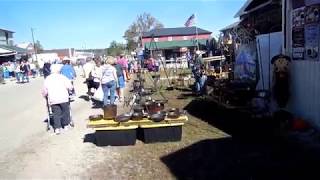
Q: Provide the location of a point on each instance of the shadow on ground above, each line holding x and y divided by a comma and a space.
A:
253, 152
186, 95
84, 97
237, 124
89, 138
97, 104
230, 159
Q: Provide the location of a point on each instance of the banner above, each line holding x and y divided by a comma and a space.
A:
298, 43
312, 36
245, 65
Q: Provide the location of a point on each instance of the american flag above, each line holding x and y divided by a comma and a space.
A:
190, 21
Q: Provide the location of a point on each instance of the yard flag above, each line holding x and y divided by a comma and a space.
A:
190, 21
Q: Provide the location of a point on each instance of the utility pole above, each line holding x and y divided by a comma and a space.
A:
34, 45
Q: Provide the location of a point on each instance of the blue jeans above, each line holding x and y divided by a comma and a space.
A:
18, 76
109, 86
200, 82
25, 76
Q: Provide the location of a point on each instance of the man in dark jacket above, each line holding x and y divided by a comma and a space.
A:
46, 69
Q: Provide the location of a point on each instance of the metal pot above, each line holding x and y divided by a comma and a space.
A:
159, 116
136, 116
149, 107
138, 109
95, 117
158, 106
161, 101
174, 113
123, 117
137, 85
110, 111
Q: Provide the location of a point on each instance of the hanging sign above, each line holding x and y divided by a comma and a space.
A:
298, 43
298, 17
311, 2
312, 14
312, 41
245, 65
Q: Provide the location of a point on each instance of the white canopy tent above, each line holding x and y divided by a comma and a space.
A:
5, 52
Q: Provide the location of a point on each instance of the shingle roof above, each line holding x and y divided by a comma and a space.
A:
182, 31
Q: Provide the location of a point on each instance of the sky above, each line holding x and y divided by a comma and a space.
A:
94, 24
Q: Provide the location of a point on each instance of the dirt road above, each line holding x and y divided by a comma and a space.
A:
28, 152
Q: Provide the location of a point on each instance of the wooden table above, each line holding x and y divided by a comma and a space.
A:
145, 122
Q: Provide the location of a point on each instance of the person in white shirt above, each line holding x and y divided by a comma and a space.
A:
97, 74
33, 69
87, 68
109, 80
56, 89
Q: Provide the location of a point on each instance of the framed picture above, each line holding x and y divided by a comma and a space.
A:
312, 14
312, 35
298, 17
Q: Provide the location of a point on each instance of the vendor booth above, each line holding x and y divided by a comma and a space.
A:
302, 38
249, 46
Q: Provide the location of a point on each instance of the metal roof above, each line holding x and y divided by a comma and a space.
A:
13, 48
252, 5
6, 30
182, 31
230, 26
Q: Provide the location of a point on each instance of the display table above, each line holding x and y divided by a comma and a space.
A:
150, 133
116, 136
110, 132
98, 124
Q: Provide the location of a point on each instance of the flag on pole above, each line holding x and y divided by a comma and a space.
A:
190, 21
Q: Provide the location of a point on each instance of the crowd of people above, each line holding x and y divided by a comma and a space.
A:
20, 70
111, 74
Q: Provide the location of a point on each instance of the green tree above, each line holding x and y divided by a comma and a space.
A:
38, 47
144, 22
116, 48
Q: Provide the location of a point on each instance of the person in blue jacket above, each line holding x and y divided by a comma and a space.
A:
68, 71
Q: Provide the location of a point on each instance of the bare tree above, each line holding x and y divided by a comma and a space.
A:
144, 22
